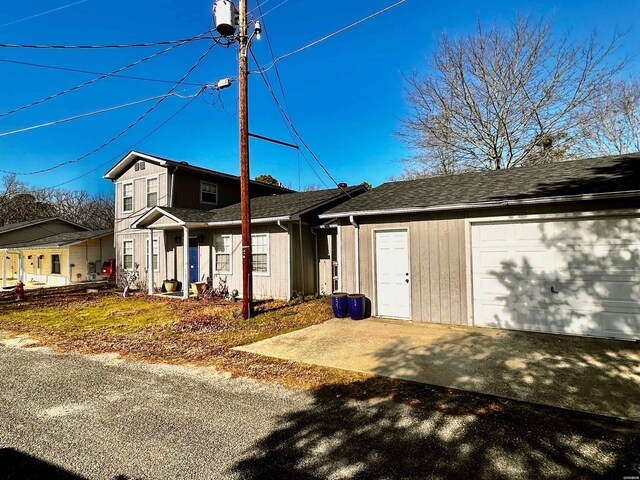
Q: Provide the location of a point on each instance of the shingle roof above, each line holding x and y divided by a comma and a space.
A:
29, 223
285, 205
602, 175
61, 239
281, 206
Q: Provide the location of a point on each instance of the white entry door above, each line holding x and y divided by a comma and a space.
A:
392, 274
579, 277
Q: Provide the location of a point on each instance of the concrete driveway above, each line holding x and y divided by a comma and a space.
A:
592, 375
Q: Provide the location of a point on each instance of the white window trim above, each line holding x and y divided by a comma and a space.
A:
217, 192
133, 254
268, 272
133, 190
156, 242
230, 252
146, 190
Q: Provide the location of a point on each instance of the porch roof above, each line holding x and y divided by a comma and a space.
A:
272, 208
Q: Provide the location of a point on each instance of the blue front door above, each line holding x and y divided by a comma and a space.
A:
193, 260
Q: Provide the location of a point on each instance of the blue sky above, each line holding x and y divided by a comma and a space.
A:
345, 94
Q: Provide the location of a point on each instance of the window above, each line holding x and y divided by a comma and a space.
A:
152, 192
55, 264
208, 193
260, 253
154, 259
222, 253
127, 197
127, 254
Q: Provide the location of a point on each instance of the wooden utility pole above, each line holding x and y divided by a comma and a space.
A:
243, 114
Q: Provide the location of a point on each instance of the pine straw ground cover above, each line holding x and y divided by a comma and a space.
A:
174, 331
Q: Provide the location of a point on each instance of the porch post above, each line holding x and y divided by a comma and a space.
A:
185, 260
20, 266
150, 263
4, 269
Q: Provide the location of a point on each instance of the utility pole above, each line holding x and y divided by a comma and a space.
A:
245, 201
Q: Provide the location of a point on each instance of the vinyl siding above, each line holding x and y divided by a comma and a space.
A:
273, 285
437, 262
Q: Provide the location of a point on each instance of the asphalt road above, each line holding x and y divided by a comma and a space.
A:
72, 417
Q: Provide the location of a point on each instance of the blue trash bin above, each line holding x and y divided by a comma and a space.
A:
356, 306
340, 304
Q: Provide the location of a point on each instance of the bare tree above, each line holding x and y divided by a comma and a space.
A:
502, 98
21, 202
612, 124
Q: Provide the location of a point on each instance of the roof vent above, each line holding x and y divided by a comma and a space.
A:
342, 185
184, 163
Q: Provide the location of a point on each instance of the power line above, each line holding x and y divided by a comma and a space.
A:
132, 146
91, 72
293, 129
202, 36
326, 37
43, 13
90, 114
126, 129
89, 82
277, 70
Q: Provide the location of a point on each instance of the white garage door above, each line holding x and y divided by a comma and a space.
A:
578, 277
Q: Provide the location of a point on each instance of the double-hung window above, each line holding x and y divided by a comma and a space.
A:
152, 192
127, 197
154, 258
55, 264
222, 253
208, 193
127, 254
260, 253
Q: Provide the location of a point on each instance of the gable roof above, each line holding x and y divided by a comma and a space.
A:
272, 208
30, 223
132, 157
60, 240
564, 181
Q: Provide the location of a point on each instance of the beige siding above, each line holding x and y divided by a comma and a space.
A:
40, 269
304, 272
140, 238
437, 263
272, 285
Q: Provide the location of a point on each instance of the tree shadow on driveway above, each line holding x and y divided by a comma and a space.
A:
452, 436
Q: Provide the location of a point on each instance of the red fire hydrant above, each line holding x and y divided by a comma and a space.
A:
19, 291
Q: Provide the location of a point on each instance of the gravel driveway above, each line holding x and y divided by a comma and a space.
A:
72, 416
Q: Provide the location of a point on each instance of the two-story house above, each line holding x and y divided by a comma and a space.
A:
180, 221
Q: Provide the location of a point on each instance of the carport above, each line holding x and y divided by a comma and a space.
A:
593, 375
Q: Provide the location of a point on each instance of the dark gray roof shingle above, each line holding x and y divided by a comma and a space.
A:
16, 226
61, 239
272, 206
612, 174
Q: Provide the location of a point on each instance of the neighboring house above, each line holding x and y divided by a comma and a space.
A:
25, 232
291, 250
549, 248
62, 258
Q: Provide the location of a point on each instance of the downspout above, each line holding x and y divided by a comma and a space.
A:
286, 229
356, 241
316, 267
301, 256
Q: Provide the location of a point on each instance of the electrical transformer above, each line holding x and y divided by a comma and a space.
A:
225, 15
